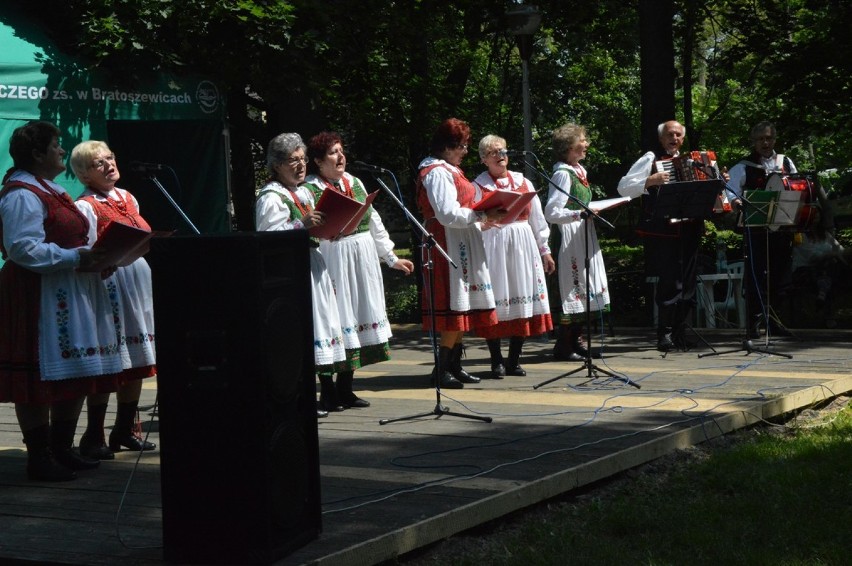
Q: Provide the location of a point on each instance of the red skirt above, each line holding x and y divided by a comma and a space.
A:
445, 318
535, 326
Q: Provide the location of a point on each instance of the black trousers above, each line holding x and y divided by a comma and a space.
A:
767, 260
674, 261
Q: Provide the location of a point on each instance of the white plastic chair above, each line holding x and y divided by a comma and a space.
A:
733, 295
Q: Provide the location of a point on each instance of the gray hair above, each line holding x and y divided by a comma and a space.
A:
758, 129
83, 154
489, 141
661, 128
281, 147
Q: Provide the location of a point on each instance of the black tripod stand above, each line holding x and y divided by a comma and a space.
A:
767, 314
760, 212
593, 371
587, 215
428, 244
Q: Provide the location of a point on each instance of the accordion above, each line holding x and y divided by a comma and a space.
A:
692, 166
696, 166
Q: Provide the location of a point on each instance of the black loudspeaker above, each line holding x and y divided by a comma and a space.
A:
237, 396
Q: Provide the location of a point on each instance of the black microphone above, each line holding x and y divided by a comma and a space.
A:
517, 152
368, 167
140, 167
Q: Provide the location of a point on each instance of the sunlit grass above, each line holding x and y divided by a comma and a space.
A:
779, 497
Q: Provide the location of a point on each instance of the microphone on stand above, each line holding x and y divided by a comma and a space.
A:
367, 167
140, 167
517, 152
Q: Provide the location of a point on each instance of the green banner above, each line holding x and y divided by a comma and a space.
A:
28, 93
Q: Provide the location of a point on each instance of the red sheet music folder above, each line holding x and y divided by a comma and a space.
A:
124, 244
342, 214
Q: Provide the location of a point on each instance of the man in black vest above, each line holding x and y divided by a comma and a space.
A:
671, 247
767, 253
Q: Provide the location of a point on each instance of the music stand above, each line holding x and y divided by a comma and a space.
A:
428, 243
769, 210
687, 200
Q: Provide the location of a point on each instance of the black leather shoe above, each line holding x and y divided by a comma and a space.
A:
465, 377
331, 406
583, 352
447, 381
44, 467
355, 401
497, 371
321, 414
130, 441
95, 448
73, 460
516, 371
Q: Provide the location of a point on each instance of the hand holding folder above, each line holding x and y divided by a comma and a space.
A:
514, 203
342, 214
121, 244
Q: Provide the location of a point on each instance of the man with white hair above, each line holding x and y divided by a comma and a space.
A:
671, 247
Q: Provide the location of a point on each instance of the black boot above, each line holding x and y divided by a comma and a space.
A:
680, 323
124, 434
579, 343
92, 443
456, 367
441, 374
62, 446
498, 370
321, 413
41, 465
345, 394
664, 328
563, 350
513, 366
328, 394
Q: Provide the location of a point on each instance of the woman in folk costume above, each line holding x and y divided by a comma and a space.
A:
102, 202
463, 297
353, 263
282, 204
58, 339
518, 258
569, 147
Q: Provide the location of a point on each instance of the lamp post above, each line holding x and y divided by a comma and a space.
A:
523, 20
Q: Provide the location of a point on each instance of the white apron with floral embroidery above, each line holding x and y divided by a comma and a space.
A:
78, 328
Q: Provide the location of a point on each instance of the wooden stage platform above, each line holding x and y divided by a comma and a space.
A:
389, 489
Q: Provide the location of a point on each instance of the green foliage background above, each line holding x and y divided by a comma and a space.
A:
385, 73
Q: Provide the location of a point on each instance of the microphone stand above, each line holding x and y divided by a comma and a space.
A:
153, 178
587, 215
428, 244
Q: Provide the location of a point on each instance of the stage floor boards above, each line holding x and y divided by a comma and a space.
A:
388, 489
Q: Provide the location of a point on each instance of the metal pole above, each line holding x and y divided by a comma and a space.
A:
525, 87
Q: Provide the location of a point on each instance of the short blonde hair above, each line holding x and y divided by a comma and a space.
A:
83, 154
565, 137
489, 141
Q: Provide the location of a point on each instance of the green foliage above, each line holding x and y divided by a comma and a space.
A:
402, 300
385, 73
